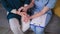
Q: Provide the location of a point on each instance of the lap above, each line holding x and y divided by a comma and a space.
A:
11, 16
41, 20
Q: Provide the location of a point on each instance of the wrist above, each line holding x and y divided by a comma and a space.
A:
30, 18
26, 5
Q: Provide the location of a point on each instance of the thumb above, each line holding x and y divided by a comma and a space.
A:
20, 9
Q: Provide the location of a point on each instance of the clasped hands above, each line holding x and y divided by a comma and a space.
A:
23, 12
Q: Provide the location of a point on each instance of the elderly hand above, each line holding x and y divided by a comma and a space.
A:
25, 9
19, 11
26, 19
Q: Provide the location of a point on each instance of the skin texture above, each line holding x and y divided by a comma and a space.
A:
45, 9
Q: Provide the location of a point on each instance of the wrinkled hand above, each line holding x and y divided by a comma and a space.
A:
26, 19
19, 11
25, 9
23, 14
21, 8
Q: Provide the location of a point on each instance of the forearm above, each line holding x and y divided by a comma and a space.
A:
31, 4
45, 9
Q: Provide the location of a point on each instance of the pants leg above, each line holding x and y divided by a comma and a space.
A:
37, 30
33, 28
14, 25
38, 24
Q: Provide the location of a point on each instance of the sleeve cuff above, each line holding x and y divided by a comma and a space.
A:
25, 4
13, 11
50, 7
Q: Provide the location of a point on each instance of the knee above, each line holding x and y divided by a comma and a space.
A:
13, 20
32, 27
39, 30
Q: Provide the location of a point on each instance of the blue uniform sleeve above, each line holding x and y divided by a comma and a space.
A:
6, 5
51, 4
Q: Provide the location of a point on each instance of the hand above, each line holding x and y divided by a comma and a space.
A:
20, 9
21, 13
26, 19
25, 9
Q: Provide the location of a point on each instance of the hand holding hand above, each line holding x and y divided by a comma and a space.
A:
26, 19
19, 11
25, 9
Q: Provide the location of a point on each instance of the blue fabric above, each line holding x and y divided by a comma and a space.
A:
48, 18
51, 4
40, 29
40, 4
37, 30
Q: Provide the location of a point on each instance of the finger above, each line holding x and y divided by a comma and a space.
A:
24, 9
20, 9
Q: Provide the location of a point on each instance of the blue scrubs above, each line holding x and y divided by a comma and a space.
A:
38, 24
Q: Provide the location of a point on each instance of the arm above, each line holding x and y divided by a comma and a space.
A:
49, 6
30, 5
45, 9
26, 6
